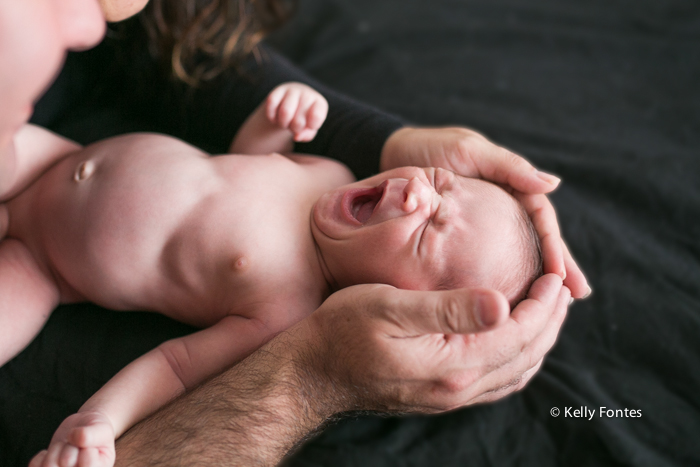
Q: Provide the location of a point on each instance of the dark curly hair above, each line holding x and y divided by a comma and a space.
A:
199, 39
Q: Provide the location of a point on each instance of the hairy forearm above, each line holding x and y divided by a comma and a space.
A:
252, 414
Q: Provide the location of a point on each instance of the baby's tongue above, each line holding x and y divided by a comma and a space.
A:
365, 211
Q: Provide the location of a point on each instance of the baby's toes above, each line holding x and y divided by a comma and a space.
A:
53, 455
94, 457
97, 435
38, 458
68, 456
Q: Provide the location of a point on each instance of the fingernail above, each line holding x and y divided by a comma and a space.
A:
588, 293
483, 312
571, 300
551, 179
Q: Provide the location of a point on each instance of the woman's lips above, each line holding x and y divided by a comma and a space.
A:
359, 204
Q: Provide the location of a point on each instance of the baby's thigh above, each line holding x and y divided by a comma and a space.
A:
27, 296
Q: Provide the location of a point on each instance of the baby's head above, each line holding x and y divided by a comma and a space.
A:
427, 229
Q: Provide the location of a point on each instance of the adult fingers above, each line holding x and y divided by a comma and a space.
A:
460, 311
544, 218
575, 280
536, 348
500, 165
515, 374
515, 385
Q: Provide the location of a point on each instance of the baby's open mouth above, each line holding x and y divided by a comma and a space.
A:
363, 202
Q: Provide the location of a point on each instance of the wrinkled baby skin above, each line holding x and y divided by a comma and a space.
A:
418, 228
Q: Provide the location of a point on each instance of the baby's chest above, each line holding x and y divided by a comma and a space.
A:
240, 261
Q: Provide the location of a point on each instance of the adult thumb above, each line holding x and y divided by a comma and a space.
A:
459, 311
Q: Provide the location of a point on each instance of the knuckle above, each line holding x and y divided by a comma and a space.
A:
451, 315
285, 111
299, 122
514, 160
456, 382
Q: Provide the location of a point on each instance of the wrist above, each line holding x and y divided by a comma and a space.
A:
390, 156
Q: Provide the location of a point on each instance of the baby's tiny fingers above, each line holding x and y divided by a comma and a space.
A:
307, 99
298, 124
305, 135
273, 102
317, 114
288, 108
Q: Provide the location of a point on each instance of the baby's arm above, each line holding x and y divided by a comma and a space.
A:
292, 112
147, 384
33, 150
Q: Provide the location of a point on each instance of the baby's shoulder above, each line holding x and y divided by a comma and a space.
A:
323, 165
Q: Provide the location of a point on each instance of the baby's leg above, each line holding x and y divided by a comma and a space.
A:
27, 297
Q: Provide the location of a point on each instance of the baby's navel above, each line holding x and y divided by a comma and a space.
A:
84, 170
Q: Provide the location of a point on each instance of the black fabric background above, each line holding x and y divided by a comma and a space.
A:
604, 94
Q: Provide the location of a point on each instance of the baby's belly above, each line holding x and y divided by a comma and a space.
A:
100, 219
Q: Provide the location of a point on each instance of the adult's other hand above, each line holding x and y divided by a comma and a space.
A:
368, 347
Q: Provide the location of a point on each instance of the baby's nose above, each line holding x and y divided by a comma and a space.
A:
416, 194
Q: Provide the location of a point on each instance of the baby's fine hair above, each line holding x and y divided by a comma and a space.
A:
518, 280
514, 275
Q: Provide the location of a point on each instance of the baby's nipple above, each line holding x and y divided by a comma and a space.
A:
84, 170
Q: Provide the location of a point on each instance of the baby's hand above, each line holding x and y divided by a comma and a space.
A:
83, 439
297, 107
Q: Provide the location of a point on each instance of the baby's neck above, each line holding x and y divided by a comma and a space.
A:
330, 284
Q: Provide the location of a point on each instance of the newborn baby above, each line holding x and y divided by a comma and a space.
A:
243, 246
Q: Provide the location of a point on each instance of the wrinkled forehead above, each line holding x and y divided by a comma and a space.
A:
478, 203
481, 230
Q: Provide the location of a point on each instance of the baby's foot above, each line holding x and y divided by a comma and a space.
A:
83, 439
